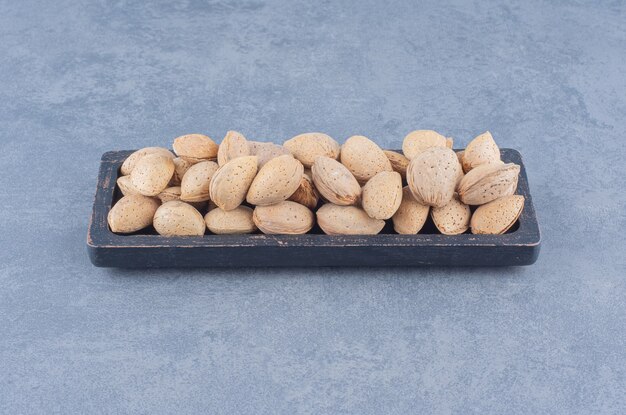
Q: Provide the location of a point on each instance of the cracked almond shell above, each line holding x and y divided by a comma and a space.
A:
132, 213
178, 218
411, 216
152, 174
453, 218
131, 161
432, 176
276, 181
481, 150
233, 222
306, 194
382, 195
232, 146
488, 182
364, 158
347, 220
497, 216
308, 146
335, 182
284, 218
195, 147
230, 183
417, 141
197, 181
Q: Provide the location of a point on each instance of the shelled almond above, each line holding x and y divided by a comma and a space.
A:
243, 186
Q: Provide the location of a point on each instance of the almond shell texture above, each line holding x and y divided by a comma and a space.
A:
178, 218
286, 218
497, 216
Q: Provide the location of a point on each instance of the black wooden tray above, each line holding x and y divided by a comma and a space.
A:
520, 246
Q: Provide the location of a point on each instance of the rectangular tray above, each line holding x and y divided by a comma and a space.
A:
520, 246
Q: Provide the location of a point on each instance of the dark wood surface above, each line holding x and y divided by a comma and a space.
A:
146, 249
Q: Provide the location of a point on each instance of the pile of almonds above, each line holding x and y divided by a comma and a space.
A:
352, 189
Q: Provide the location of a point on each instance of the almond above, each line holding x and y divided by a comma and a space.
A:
363, 158
233, 145
450, 142
382, 195
126, 187
410, 217
178, 218
286, 217
347, 220
453, 218
488, 182
398, 162
169, 194
278, 179
306, 194
497, 216
131, 161
196, 182
132, 213
232, 222
417, 141
335, 182
230, 183
307, 147
152, 174
266, 151
195, 147
432, 176
180, 168
481, 150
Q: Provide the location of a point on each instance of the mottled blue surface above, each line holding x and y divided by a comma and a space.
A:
547, 78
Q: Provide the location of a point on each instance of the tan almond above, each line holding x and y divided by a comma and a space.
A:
398, 162
152, 174
382, 195
289, 218
180, 168
306, 194
266, 151
126, 187
276, 181
335, 182
497, 216
233, 222
450, 142
347, 220
169, 194
195, 147
131, 161
411, 216
308, 146
488, 182
230, 183
197, 181
178, 218
417, 141
453, 218
481, 150
432, 176
232, 146
132, 213
363, 158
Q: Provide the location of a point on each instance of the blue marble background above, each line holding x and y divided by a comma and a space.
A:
78, 78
